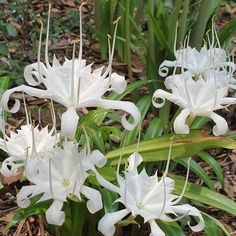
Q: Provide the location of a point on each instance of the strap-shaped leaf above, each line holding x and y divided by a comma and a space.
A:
183, 146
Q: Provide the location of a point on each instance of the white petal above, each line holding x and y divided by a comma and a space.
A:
94, 202
106, 184
22, 88
155, 229
107, 224
180, 126
123, 105
9, 167
22, 197
163, 69
160, 94
191, 211
118, 83
98, 158
69, 121
221, 126
54, 215
134, 161
31, 72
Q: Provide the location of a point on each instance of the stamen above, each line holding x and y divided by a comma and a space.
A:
109, 52
47, 37
185, 184
33, 152
121, 155
112, 49
39, 49
139, 136
39, 117
169, 156
81, 34
27, 157
50, 176
25, 107
179, 218
54, 121
164, 176
72, 76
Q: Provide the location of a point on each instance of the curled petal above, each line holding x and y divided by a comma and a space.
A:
54, 215
9, 167
98, 158
22, 197
107, 224
69, 121
31, 72
155, 229
160, 94
191, 211
94, 202
118, 83
163, 69
22, 88
221, 126
122, 105
180, 126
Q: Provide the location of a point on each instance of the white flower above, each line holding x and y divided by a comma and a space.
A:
199, 97
146, 196
74, 85
199, 62
59, 174
23, 145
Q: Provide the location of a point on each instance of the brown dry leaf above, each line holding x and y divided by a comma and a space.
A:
8, 216
13, 179
5, 61
230, 187
69, 3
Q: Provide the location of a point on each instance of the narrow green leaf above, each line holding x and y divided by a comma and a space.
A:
183, 146
204, 195
195, 168
226, 31
155, 129
171, 228
213, 226
213, 164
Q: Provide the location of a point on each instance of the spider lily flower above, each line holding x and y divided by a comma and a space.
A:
74, 85
23, 145
199, 62
197, 98
148, 197
59, 174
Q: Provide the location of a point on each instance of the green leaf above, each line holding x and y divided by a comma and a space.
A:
109, 198
213, 164
195, 168
171, 228
226, 31
213, 226
204, 195
33, 209
154, 129
183, 146
4, 83
11, 30
4, 50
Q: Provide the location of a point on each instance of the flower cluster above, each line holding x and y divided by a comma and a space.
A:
57, 166
200, 88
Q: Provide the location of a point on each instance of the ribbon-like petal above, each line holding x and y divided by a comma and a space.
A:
221, 126
155, 229
180, 126
107, 224
54, 215
94, 202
